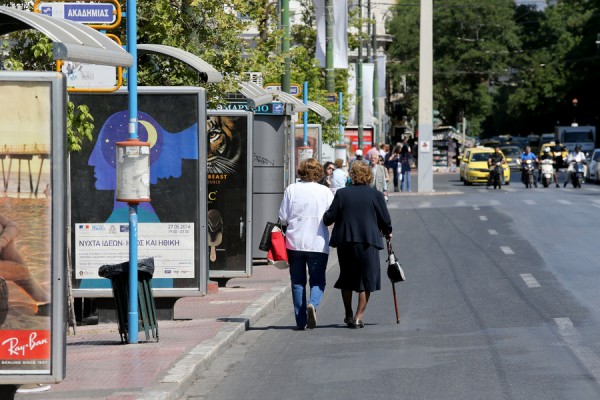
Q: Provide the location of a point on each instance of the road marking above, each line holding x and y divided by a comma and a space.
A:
492, 232
573, 339
530, 281
461, 203
425, 204
565, 202
483, 217
596, 201
506, 250
593, 189
530, 202
475, 208
494, 203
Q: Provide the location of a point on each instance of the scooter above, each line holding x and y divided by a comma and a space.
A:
529, 179
577, 173
547, 170
497, 175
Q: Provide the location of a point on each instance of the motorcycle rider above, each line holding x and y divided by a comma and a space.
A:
527, 155
575, 156
548, 156
494, 158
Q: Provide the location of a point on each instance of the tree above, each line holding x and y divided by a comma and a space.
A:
473, 43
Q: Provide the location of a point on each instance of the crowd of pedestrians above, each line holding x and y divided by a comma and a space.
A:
352, 198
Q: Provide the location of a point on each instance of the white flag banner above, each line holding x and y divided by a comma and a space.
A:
367, 93
340, 33
351, 100
381, 78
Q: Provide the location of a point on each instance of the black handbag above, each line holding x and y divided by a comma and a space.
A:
265, 240
394, 270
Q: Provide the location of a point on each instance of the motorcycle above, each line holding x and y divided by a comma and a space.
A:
547, 170
528, 172
577, 173
497, 173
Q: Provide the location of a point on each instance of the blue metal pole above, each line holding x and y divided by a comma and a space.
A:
341, 97
132, 319
305, 116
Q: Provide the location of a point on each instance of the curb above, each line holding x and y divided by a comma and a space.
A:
185, 371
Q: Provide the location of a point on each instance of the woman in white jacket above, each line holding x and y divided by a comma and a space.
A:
307, 239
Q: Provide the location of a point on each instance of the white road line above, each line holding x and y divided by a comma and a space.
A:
573, 339
492, 232
461, 203
593, 189
483, 218
565, 202
425, 204
475, 208
596, 201
506, 250
494, 203
530, 202
530, 281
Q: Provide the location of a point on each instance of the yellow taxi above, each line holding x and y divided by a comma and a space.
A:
476, 166
463, 164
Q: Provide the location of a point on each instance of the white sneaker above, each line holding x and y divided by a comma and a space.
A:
33, 388
311, 315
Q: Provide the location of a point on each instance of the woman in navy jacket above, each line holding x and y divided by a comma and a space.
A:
361, 217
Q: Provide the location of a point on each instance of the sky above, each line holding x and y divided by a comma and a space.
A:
541, 4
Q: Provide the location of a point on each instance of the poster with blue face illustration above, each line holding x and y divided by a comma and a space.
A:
229, 193
169, 225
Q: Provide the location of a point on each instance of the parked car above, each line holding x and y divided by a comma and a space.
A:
593, 171
514, 153
476, 167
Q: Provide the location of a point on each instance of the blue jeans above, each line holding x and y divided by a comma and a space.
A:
317, 263
405, 181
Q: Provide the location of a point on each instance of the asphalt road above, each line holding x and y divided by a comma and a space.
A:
501, 302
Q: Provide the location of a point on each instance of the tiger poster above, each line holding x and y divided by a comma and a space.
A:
228, 192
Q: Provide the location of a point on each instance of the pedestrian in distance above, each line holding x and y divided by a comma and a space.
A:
360, 215
339, 176
307, 237
328, 168
404, 167
391, 162
379, 176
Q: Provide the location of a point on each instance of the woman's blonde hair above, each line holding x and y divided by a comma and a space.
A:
361, 173
339, 163
310, 170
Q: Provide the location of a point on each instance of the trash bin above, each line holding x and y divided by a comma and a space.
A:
119, 278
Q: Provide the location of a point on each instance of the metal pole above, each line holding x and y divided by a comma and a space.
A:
305, 113
285, 46
377, 125
359, 97
425, 165
341, 119
132, 318
330, 77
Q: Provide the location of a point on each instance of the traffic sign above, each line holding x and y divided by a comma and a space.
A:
86, 13
295, 89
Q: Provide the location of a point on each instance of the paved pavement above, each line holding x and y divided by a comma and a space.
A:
100, 367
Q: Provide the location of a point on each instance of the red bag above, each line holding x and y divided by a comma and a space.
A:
277, 255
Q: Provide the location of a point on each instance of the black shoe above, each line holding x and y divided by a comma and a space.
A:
358, 323
565, 185
557, 185
349, 321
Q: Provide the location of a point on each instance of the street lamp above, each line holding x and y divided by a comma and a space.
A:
574, 101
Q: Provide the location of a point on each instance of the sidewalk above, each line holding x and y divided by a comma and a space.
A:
100, 367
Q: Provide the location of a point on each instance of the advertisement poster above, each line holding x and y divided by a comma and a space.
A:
25, 227
169, 120
313, 138
228, 179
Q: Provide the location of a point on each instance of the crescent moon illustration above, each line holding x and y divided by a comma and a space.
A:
152, 134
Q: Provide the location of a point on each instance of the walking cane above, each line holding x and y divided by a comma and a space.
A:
391, 261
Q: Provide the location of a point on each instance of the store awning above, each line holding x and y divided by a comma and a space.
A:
72, 41
207, 72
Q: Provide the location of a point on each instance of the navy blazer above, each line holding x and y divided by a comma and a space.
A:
360, 215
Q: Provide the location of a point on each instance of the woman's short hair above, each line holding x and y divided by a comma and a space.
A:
310, 170
361, 173
339, 163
